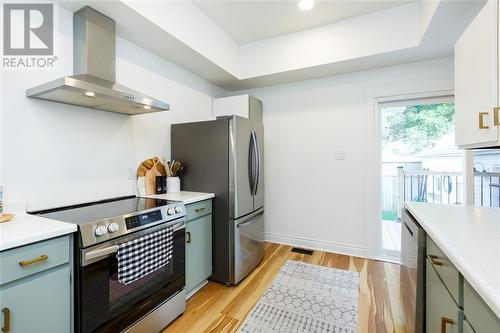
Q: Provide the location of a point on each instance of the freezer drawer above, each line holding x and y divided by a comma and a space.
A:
248, 244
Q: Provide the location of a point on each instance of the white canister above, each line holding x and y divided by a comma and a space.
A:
141, 186
173, 184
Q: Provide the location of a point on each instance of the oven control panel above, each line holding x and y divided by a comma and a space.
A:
106, 229
143, 219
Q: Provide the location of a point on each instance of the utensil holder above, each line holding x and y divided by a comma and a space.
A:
173, 184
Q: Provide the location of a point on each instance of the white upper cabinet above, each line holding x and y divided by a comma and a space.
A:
476, 81
245, 106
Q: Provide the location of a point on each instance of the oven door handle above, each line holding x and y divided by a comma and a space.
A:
101, 252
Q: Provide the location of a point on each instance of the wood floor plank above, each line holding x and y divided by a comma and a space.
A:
220, 309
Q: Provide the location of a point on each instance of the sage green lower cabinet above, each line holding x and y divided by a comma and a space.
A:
452, 304
467, 327
35, 289
41, 304
478, 313
441, 309
198, 245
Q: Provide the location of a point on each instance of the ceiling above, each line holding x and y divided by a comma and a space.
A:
250, 21
409, 32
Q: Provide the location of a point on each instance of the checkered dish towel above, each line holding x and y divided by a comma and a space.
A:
144, 255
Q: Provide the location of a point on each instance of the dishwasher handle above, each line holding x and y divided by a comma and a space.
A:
408, 228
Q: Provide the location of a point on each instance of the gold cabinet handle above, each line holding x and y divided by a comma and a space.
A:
481, 120
434, 260
6, 320
41, 258
188, 237
198, 210
445, 321
496, 116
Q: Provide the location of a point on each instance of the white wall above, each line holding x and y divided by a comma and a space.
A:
190, 98
312, 199
54, 154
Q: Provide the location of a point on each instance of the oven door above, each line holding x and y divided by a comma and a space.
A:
103, 304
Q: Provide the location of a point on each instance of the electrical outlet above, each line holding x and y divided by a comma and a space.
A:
340, 155
131, 174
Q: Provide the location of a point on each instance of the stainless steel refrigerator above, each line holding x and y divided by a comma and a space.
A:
226, 157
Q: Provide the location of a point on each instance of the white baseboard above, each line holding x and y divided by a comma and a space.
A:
388, 258
320, 245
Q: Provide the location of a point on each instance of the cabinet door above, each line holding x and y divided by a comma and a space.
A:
476, 79
478, 313
467, 327
441, 310
198, 251
39, 305
233, 105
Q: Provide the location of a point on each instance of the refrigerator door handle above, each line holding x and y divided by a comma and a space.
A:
254, 163
251, 164
257, 154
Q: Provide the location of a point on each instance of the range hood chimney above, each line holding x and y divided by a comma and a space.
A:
93, 83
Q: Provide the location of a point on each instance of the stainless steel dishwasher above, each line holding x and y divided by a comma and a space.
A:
412, 277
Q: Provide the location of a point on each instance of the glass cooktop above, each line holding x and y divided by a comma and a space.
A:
95, 211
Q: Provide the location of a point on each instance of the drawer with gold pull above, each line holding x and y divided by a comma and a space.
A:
33, 258
444, 268
442, 313
198, 209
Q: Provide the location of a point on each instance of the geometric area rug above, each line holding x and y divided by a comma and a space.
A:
307, 298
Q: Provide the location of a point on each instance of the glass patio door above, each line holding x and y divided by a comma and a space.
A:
419, 162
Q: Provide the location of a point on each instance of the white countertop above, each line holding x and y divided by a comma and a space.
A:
184, 196
25, 229
470, 237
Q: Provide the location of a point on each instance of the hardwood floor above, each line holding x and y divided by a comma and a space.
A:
217, 308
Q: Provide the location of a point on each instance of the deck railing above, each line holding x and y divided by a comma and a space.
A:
487, 189
442, 187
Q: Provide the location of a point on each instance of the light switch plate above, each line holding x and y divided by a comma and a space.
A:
340, 155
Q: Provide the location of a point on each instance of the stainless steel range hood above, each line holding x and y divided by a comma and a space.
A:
93, 84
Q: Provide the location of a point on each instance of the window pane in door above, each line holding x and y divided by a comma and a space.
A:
487, 178
419, 161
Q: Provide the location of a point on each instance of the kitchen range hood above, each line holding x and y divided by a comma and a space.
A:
93, 85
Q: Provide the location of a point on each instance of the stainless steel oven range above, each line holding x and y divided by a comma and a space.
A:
102, 302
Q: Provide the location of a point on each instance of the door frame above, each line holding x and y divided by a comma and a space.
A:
374, 180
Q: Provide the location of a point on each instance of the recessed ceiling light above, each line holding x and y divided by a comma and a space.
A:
306, 4
89, 94
147, 107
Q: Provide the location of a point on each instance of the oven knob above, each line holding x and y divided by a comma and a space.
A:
170, 211
113, 226
100, 230
178, 209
